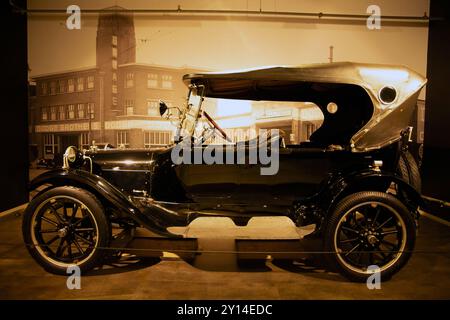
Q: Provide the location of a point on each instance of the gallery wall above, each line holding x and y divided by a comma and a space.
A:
14, 128
435, 169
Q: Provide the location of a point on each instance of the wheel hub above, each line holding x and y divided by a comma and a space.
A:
372, 239
368, 237
63, 232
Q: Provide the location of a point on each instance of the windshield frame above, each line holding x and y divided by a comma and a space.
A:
183, 130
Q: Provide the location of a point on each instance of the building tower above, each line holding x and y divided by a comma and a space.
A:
116, 45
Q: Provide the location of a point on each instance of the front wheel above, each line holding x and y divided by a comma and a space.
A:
66, 226
369, 231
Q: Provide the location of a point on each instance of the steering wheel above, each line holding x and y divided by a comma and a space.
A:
216, 126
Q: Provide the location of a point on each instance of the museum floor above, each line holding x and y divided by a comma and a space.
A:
218, 275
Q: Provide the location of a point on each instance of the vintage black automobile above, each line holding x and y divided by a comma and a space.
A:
354, 180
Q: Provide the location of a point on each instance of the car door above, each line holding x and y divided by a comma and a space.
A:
205, 182
299, 174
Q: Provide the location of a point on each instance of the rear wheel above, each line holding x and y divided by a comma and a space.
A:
369, 230
66, 226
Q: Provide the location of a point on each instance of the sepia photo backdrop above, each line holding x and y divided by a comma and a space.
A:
103, 82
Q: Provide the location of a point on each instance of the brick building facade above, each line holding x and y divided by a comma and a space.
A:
116, 101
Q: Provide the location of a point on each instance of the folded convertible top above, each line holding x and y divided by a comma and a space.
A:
355, 87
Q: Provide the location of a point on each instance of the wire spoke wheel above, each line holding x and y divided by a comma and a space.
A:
66, 226
376, 237
369, 228
71, 236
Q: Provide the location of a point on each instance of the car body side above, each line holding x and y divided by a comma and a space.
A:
145, 187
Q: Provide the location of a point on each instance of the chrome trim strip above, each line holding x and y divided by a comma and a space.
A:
125, 170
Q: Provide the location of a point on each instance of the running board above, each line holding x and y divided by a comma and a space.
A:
146, 244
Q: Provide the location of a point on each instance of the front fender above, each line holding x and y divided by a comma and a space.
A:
86, 180
102, 189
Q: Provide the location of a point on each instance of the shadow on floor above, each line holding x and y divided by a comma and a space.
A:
220, 256
312, 267
126, 263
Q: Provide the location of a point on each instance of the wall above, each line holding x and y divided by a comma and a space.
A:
14, 128
437, 111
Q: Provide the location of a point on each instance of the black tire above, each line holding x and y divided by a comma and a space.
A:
407, 168
83, 229
368, 211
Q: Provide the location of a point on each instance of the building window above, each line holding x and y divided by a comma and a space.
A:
114, 64
70, 85
129, 107
44, 114
44, 88
61, 86
122, 139
152, 80
90, 82
50, 144
71, 111
53, 88
61, 113
167, 82
152, 108
91, 110
238, 134
84, 140
129, 80
80, 84
157, 138
81, 111
114, 41
53, 114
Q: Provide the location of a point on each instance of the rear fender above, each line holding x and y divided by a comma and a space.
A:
372, 181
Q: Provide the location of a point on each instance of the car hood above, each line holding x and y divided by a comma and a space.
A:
126, 159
